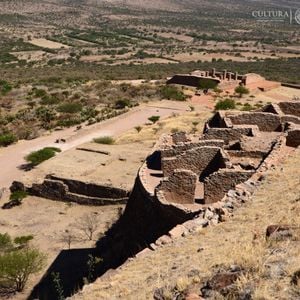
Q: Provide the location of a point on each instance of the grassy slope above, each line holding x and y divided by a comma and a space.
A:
276, 201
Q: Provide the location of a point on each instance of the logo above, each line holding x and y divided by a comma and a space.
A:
279, 15
297, 16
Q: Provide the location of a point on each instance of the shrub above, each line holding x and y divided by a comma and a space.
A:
247, 107
154, 119
23, 240
225, 104
49, 100
18, 195
104, 140
39, 93
5, 87
138, 128
120, 104
5, 242
172, 93
16, 266
241, 90
37, 157
70, 108
7, 139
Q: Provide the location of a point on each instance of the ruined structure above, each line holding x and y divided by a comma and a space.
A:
70, 190
192, 171
222, 78
187, 183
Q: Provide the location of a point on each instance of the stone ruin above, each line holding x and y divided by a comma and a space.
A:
195, 171
222, 78
187, 183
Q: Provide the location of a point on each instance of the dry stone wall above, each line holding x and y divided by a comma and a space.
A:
264, 121
179, 188
196, 160
220, 182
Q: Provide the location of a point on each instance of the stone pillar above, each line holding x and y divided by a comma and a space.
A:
225, 74
213, 72
235, 76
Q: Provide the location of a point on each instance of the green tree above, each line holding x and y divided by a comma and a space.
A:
241, 90
16, 266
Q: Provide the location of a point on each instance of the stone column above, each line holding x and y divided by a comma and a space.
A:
213, 72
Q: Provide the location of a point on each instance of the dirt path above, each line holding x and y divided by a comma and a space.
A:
12, 157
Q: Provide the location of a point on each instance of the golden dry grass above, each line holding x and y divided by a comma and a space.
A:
239, 240
171, 124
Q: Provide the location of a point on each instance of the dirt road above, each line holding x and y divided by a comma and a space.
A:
12, 157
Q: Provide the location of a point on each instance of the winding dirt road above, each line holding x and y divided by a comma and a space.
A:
12, 157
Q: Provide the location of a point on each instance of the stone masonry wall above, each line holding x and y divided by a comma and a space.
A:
290, 108
227, 134
220, 182
264, 121
179, 148
196, 160
56, 189
179, 188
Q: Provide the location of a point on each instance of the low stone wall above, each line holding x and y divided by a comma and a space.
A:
196, 160
175, 150
290, 108
179, 188
227, 134
264, 121
290, 119
220, 182
91, 189
61, 189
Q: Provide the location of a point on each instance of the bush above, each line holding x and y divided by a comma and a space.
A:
16, 267
104, 140
37, 157
23, 240
247, 107
18, 195
172, 93
225, 104
154, 119
5, 242
7, 139
120, 104
5, 87
241, 90
70, 108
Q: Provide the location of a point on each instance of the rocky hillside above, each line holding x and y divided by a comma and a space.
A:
253, 255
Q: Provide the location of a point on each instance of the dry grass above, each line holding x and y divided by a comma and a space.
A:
240, 240
172, 124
